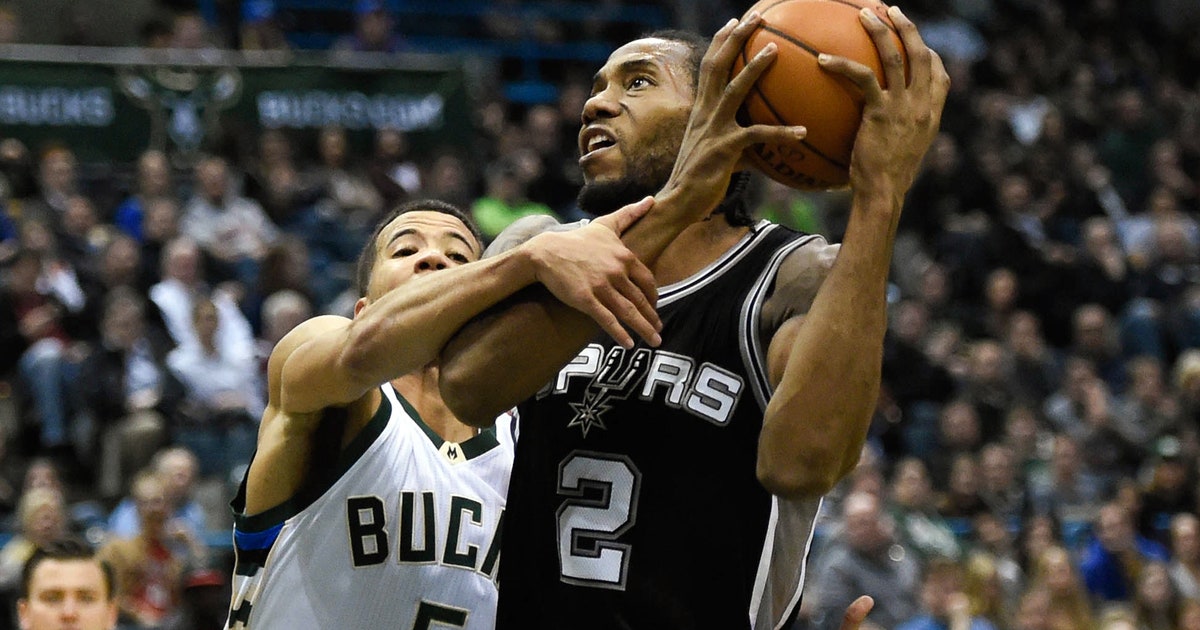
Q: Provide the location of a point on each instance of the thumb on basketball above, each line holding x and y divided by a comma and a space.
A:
622, 219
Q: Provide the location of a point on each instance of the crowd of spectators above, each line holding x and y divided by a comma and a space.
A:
1035, 459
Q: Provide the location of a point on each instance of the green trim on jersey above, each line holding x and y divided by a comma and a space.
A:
483, 441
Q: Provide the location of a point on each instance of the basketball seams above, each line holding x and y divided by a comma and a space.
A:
784, 21
887, 23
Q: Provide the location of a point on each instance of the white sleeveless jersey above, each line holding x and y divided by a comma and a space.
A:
400, 530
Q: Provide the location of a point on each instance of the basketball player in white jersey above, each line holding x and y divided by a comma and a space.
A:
367, 503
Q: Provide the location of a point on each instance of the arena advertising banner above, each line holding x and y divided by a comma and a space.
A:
111, 104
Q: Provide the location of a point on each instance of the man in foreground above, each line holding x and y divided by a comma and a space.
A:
674, 485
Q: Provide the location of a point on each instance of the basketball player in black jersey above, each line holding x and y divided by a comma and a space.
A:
673, 484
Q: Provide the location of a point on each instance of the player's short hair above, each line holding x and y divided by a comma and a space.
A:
366, 259
67, 549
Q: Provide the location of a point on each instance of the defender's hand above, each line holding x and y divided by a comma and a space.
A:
714, 141
592, 271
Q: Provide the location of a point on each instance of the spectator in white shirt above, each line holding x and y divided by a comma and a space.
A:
233, 230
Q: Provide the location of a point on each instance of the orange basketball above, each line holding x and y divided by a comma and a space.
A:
796, 91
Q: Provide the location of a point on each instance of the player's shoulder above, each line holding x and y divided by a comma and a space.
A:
806, 266
526, 228
304, 332
800, 275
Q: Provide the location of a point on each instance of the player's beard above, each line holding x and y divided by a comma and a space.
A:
646, 172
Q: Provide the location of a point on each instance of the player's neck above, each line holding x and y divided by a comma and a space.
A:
695, 248
420, 389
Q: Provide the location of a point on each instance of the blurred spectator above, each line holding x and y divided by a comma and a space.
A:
1146, 410
1113, 560
943, 602
1001, 297
393, 172
1037, 367
83, 234
954, 201
58, 181
176, 294
865, 558
556, 183
203, 604
961, 500
958, 433
994, 546
1056, 572
913, 507
131, 395
179, 470
287, 265
1102, 272
1068, 491
917, 383
1185, 555
233, 230
1125, 145
1027, 440
355, 202
32, 323
1096, 337
119, 264
988, 386
153, 181
1082, 408
505, 200
374, 30
218, 420
1039, 532
160, 225
988, 595
149, 574
1033, 612
1156, 603
42, 517
449, 180
1168, 488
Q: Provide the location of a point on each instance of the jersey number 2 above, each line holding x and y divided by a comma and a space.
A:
601, 505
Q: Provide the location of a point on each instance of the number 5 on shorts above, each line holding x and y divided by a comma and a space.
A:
601, 505
431, 616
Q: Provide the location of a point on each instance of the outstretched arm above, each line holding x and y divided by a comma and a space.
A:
337, 362
828, 365
516, 349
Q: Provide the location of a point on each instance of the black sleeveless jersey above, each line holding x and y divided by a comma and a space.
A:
633, 501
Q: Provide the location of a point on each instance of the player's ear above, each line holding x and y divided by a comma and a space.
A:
360, 304
23, 614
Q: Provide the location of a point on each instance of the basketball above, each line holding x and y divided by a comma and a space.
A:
794, 90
